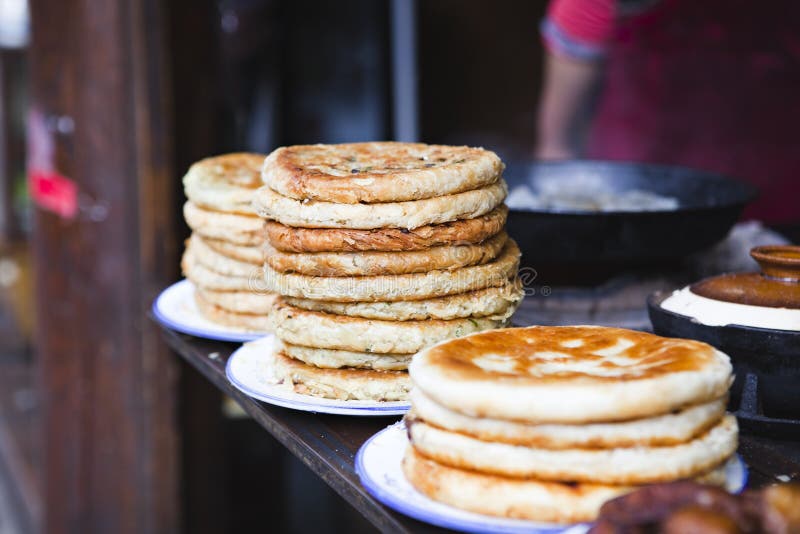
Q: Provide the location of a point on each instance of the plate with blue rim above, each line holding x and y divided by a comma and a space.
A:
379, 467
176, 309
249, 369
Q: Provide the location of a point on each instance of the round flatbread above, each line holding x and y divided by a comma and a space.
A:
497, 303
246, 321
378, 171
416, 286
570, 374
247, 230
336, 359
225, 183
633, 465
409, 214
342, 384
324, 330
242, 253
531, 499
203, 277
383, 263
220, 263
463, 231
240, 301
670, 429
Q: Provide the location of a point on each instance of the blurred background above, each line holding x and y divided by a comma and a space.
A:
104, 105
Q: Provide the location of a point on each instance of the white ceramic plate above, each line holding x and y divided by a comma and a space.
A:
378, 465
249, 370
175, 308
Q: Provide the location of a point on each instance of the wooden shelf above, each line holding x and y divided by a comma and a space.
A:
327, 443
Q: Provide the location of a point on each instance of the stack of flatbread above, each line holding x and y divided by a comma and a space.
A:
380, 250
225, 254
548, 423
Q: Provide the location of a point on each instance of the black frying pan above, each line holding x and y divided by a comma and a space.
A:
709, 204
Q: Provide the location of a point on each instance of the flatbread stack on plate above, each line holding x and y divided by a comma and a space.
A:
380, 250
548, 423
224, 256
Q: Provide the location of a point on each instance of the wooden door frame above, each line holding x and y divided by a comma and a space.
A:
101, 98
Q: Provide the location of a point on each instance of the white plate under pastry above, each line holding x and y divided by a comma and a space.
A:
379, 467
175, 308
249, 370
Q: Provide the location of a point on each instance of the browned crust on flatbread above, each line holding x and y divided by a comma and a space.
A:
246, 302
650, 355
685, 460
570, 374
243, 253
341, 332
465, 231
236, 228
344, 359
242, 169
342, 373
247, 321
386, 263
378, 171
492, 302
225, 183
344, 383
569, 502
416, 286
531, 499
549, 441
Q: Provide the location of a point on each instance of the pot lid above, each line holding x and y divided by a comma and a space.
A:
776, 286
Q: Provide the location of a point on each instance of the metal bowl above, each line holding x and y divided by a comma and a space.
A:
766, 362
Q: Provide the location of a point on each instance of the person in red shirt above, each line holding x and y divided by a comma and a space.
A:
713, 85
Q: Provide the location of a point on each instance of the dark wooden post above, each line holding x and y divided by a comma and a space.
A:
100, 117
11, 152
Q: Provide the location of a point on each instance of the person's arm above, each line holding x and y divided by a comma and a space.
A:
568, 86
575, 35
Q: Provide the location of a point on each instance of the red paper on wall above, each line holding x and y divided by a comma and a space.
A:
53, 192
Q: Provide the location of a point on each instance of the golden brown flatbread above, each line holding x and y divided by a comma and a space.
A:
378, 171
463, 231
